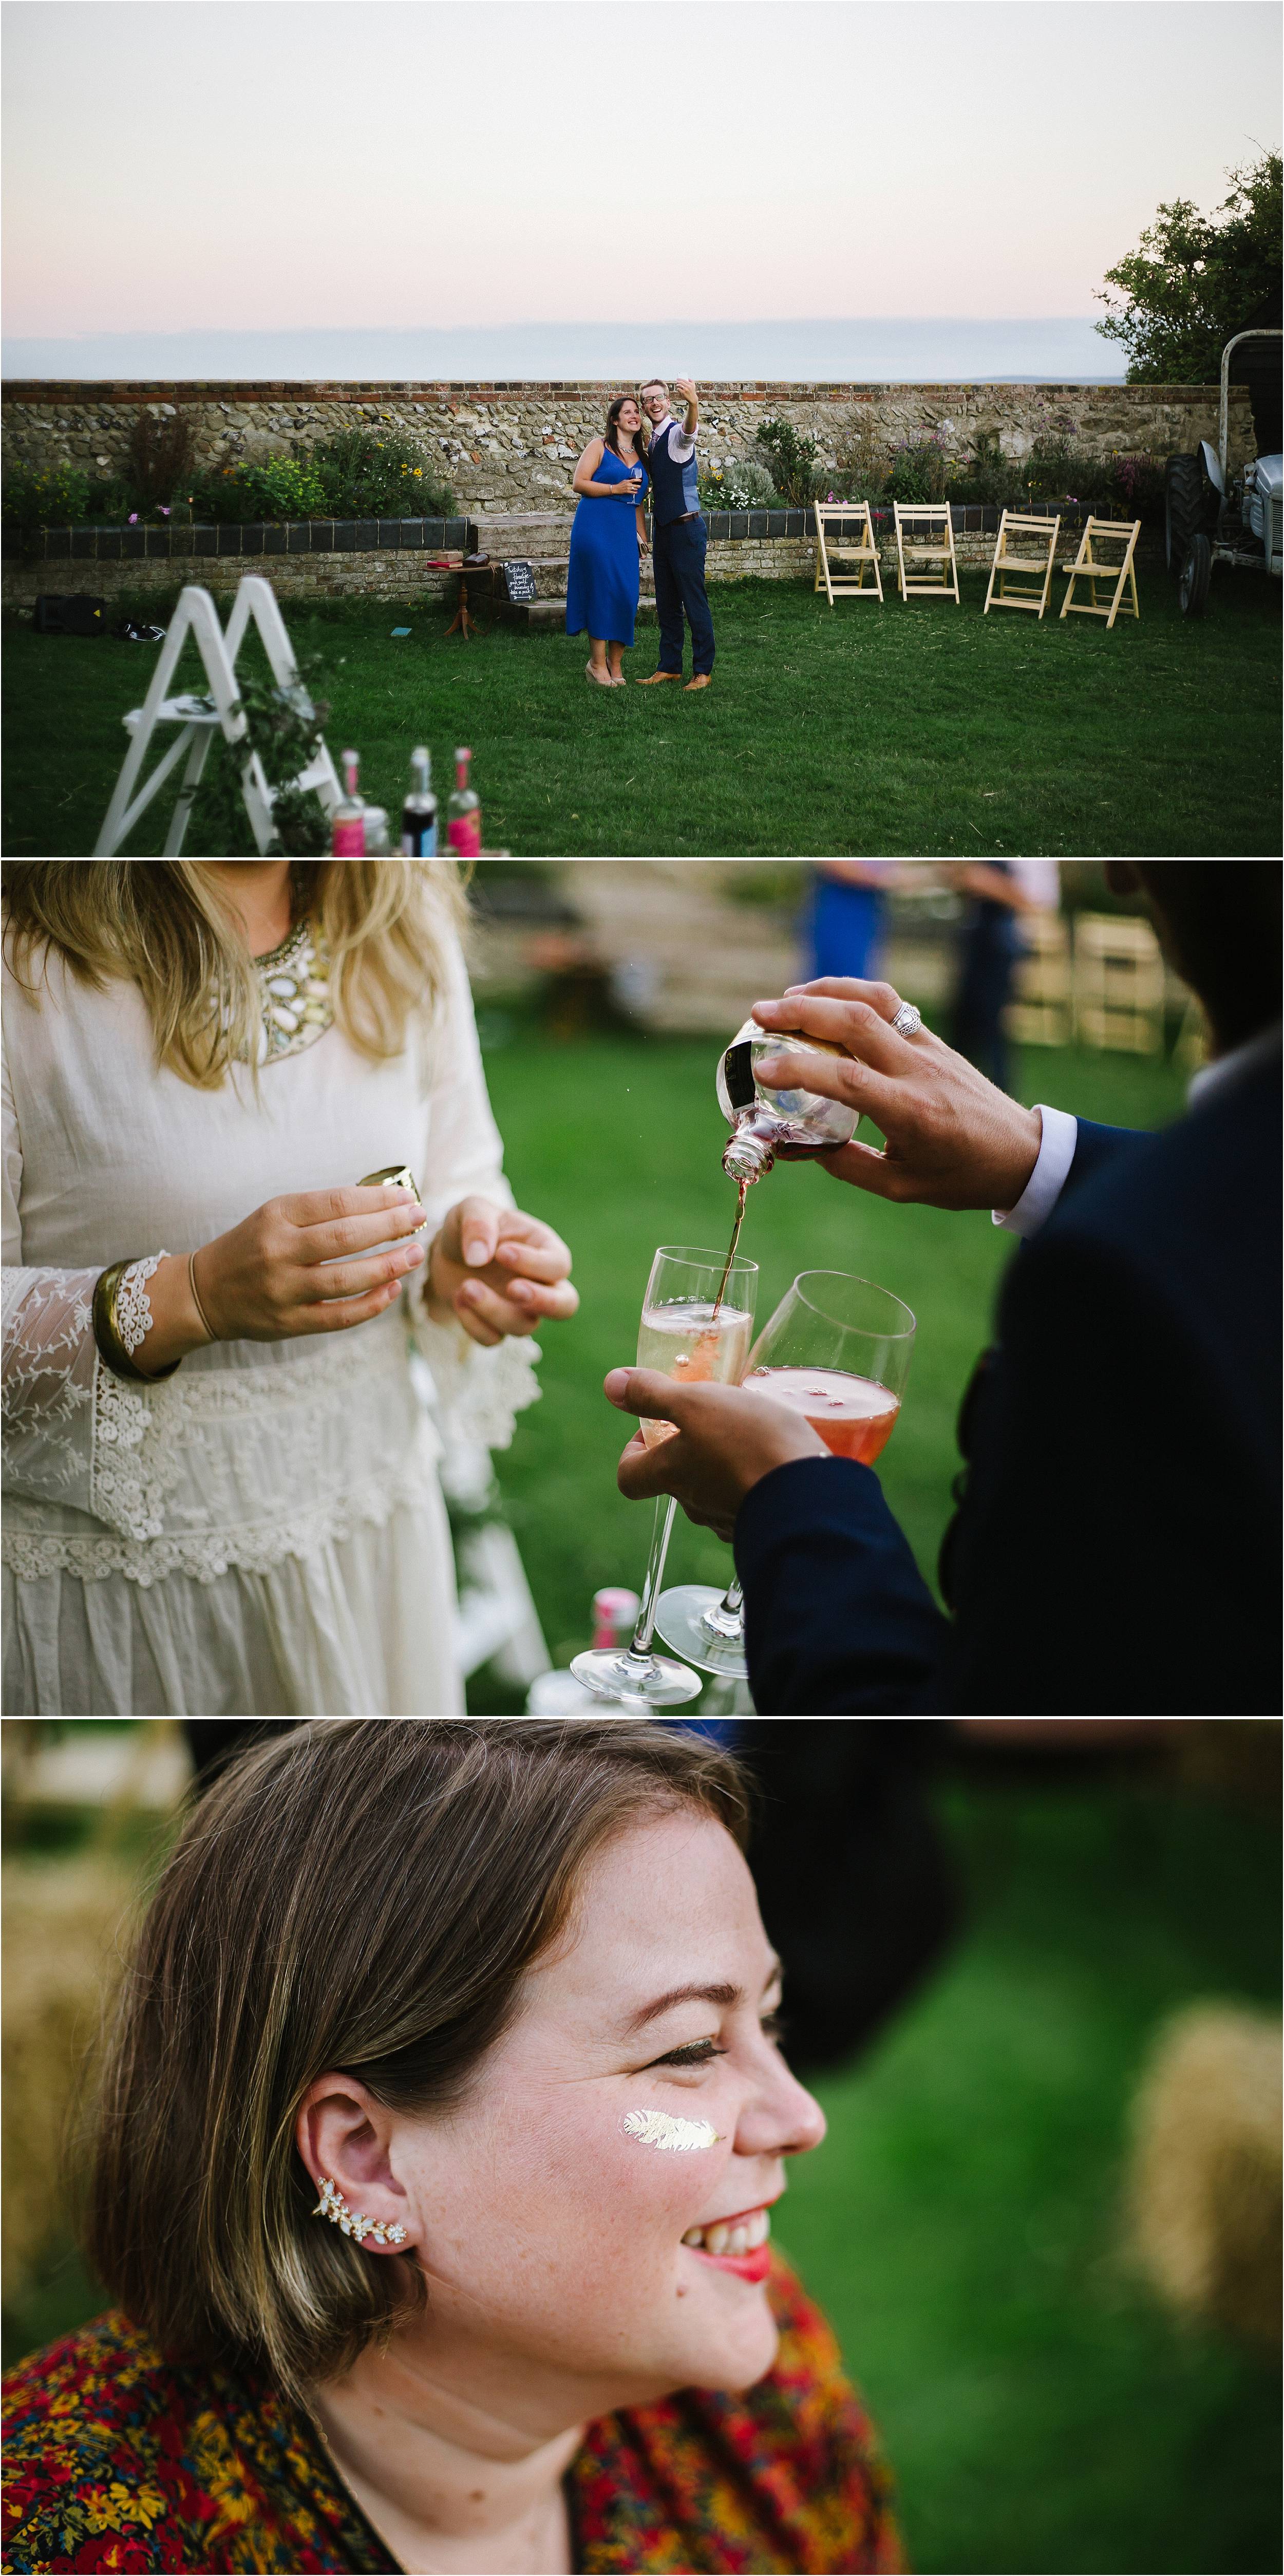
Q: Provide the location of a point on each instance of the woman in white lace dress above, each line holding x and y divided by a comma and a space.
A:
221, 1493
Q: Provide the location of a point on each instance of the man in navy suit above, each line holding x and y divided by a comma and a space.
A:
1117, 1545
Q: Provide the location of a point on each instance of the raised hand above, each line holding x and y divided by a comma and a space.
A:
952, 1139
303, 1264
684, 386
498, 1271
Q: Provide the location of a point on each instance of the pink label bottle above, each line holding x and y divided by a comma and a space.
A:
463, 814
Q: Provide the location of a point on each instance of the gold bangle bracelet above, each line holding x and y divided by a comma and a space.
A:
210, 1335
107, 1333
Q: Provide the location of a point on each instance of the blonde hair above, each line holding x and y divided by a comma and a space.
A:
169, 927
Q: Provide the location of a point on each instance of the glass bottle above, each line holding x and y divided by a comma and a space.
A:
348, 821
419, 812
771, 1123
463, 813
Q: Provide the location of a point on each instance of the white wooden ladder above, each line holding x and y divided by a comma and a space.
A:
198, 719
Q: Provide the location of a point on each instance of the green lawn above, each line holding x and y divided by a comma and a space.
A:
962, 2225
618, 1142
925, 730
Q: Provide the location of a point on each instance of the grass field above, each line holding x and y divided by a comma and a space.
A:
925, 730
617, 1141
962, 2225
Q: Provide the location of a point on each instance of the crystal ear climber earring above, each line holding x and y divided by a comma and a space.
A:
333, 2206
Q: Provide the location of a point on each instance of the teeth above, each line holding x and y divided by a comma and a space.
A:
743, 2238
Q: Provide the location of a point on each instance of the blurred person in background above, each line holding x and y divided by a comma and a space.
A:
1117, 1542
220, 1484
845, 916
437, 2137
998, 894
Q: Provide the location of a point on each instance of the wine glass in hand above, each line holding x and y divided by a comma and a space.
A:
838, 1349
691, 1332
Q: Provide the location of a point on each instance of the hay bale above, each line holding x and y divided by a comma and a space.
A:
64, 1924
1205, 2191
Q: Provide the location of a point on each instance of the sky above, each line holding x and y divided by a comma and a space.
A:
340, 168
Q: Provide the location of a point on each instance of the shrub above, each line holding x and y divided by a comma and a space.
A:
160, 458
988, 476
55, 497
793, 458
285, 727
918, 468
859, 471
369, 474
738, 483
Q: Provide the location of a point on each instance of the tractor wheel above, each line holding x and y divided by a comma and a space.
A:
1196, 573
1185, 509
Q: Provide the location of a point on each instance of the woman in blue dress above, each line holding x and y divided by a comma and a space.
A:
608, 536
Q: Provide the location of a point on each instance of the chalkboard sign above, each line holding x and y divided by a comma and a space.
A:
519, 581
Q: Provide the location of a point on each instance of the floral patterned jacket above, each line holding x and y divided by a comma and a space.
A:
118, 2459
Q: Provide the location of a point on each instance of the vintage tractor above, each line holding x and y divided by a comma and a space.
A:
1208, 518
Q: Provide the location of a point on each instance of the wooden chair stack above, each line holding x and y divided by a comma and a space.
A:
1039, 1012
1088, 567
913, 557
1118, 984
835, 549
1028, 533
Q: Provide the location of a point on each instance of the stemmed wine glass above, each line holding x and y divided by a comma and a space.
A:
837, 1348
697, 1316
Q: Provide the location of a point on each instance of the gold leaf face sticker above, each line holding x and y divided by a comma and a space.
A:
660, 2129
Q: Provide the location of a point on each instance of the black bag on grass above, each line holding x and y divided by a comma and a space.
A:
69, 613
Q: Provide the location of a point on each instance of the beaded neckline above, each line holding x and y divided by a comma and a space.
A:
294, 981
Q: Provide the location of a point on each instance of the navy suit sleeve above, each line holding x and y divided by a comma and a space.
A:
1097, 1146
838, 1619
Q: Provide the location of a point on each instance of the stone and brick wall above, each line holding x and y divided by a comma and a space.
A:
507, 447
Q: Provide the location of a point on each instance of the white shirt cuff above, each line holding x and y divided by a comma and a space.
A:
681, 448
1048, 1179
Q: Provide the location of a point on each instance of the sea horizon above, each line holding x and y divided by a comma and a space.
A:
1055, 349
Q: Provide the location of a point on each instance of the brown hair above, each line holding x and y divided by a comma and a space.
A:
361, 1894
611, 433
168, 926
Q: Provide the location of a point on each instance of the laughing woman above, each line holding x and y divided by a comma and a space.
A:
438, 2142
608, 540
221, 1491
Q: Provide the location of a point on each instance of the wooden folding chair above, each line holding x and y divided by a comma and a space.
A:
833, 549
1087, 567
938, 550
1118, 983
1025, 531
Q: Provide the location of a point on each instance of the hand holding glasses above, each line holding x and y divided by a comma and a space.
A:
838, 1350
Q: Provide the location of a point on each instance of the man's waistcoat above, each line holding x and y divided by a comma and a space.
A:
675, 489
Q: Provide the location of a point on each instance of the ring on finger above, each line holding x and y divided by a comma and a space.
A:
907, 1020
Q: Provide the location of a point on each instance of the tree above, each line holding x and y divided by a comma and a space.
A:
1195, 280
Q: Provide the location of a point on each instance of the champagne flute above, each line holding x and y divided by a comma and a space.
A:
690, 1332
839, 1349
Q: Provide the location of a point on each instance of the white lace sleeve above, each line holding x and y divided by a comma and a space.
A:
479, 1392
49, 1369
49, 1357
